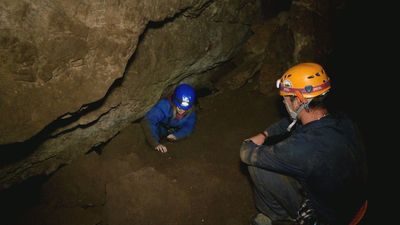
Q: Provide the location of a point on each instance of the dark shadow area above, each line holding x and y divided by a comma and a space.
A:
280, 106
271, 8
348, 65
157, 25
349, 68
98, 148
14, 201
203, 92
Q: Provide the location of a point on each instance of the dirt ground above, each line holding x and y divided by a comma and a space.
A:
200, 180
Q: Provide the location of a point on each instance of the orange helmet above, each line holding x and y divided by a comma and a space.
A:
305, 80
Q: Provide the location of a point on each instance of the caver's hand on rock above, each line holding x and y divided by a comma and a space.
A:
161, 148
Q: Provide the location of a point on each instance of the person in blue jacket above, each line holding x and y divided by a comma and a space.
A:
172, 118
314, 172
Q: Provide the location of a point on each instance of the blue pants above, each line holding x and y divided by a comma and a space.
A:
277, 196
164, 131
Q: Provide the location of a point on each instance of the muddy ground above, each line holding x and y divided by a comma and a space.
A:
200, 180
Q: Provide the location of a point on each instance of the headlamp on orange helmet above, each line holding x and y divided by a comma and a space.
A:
304, 80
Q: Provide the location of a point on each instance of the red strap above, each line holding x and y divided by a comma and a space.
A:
301, 97
303, 90
360, 214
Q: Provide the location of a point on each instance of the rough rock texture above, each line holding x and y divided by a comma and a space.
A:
66, 74
251, 56
57, 56
301, 34
277, 59
310, 23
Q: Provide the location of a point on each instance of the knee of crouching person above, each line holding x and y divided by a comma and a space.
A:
245, 154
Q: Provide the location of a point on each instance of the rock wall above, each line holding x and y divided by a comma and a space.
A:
53, 54
74, 73
300, 33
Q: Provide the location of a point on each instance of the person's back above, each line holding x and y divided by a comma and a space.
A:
335, 183
317, 173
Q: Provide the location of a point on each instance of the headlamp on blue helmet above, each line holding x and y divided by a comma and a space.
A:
184, 96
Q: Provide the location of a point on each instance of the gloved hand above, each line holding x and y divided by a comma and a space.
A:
161, 148
171, 137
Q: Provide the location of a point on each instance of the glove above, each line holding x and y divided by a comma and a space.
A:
171, 137
161, 148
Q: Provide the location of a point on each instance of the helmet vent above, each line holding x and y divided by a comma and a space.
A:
322, 71
309, 77
317, 74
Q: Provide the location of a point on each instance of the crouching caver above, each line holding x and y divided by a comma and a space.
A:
316, 173
173, 118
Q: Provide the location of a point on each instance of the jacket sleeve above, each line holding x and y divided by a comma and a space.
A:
187, 127
291, 156
280, 127
151, 138
151, 122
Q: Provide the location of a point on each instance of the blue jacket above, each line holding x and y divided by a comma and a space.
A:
325, 156
159, 120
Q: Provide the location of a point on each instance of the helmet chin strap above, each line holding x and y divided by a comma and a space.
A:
295, 114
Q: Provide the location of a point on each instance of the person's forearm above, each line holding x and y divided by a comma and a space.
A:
259, 138
148, 133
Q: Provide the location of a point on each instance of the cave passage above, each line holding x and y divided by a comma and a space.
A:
199, 181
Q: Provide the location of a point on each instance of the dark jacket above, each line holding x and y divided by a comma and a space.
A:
326, 157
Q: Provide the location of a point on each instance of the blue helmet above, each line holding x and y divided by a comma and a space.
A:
184, 96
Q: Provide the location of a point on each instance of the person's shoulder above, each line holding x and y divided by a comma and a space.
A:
342, 117
192, 113
164, 102
344, 122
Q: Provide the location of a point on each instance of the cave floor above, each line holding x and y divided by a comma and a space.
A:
200, 180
